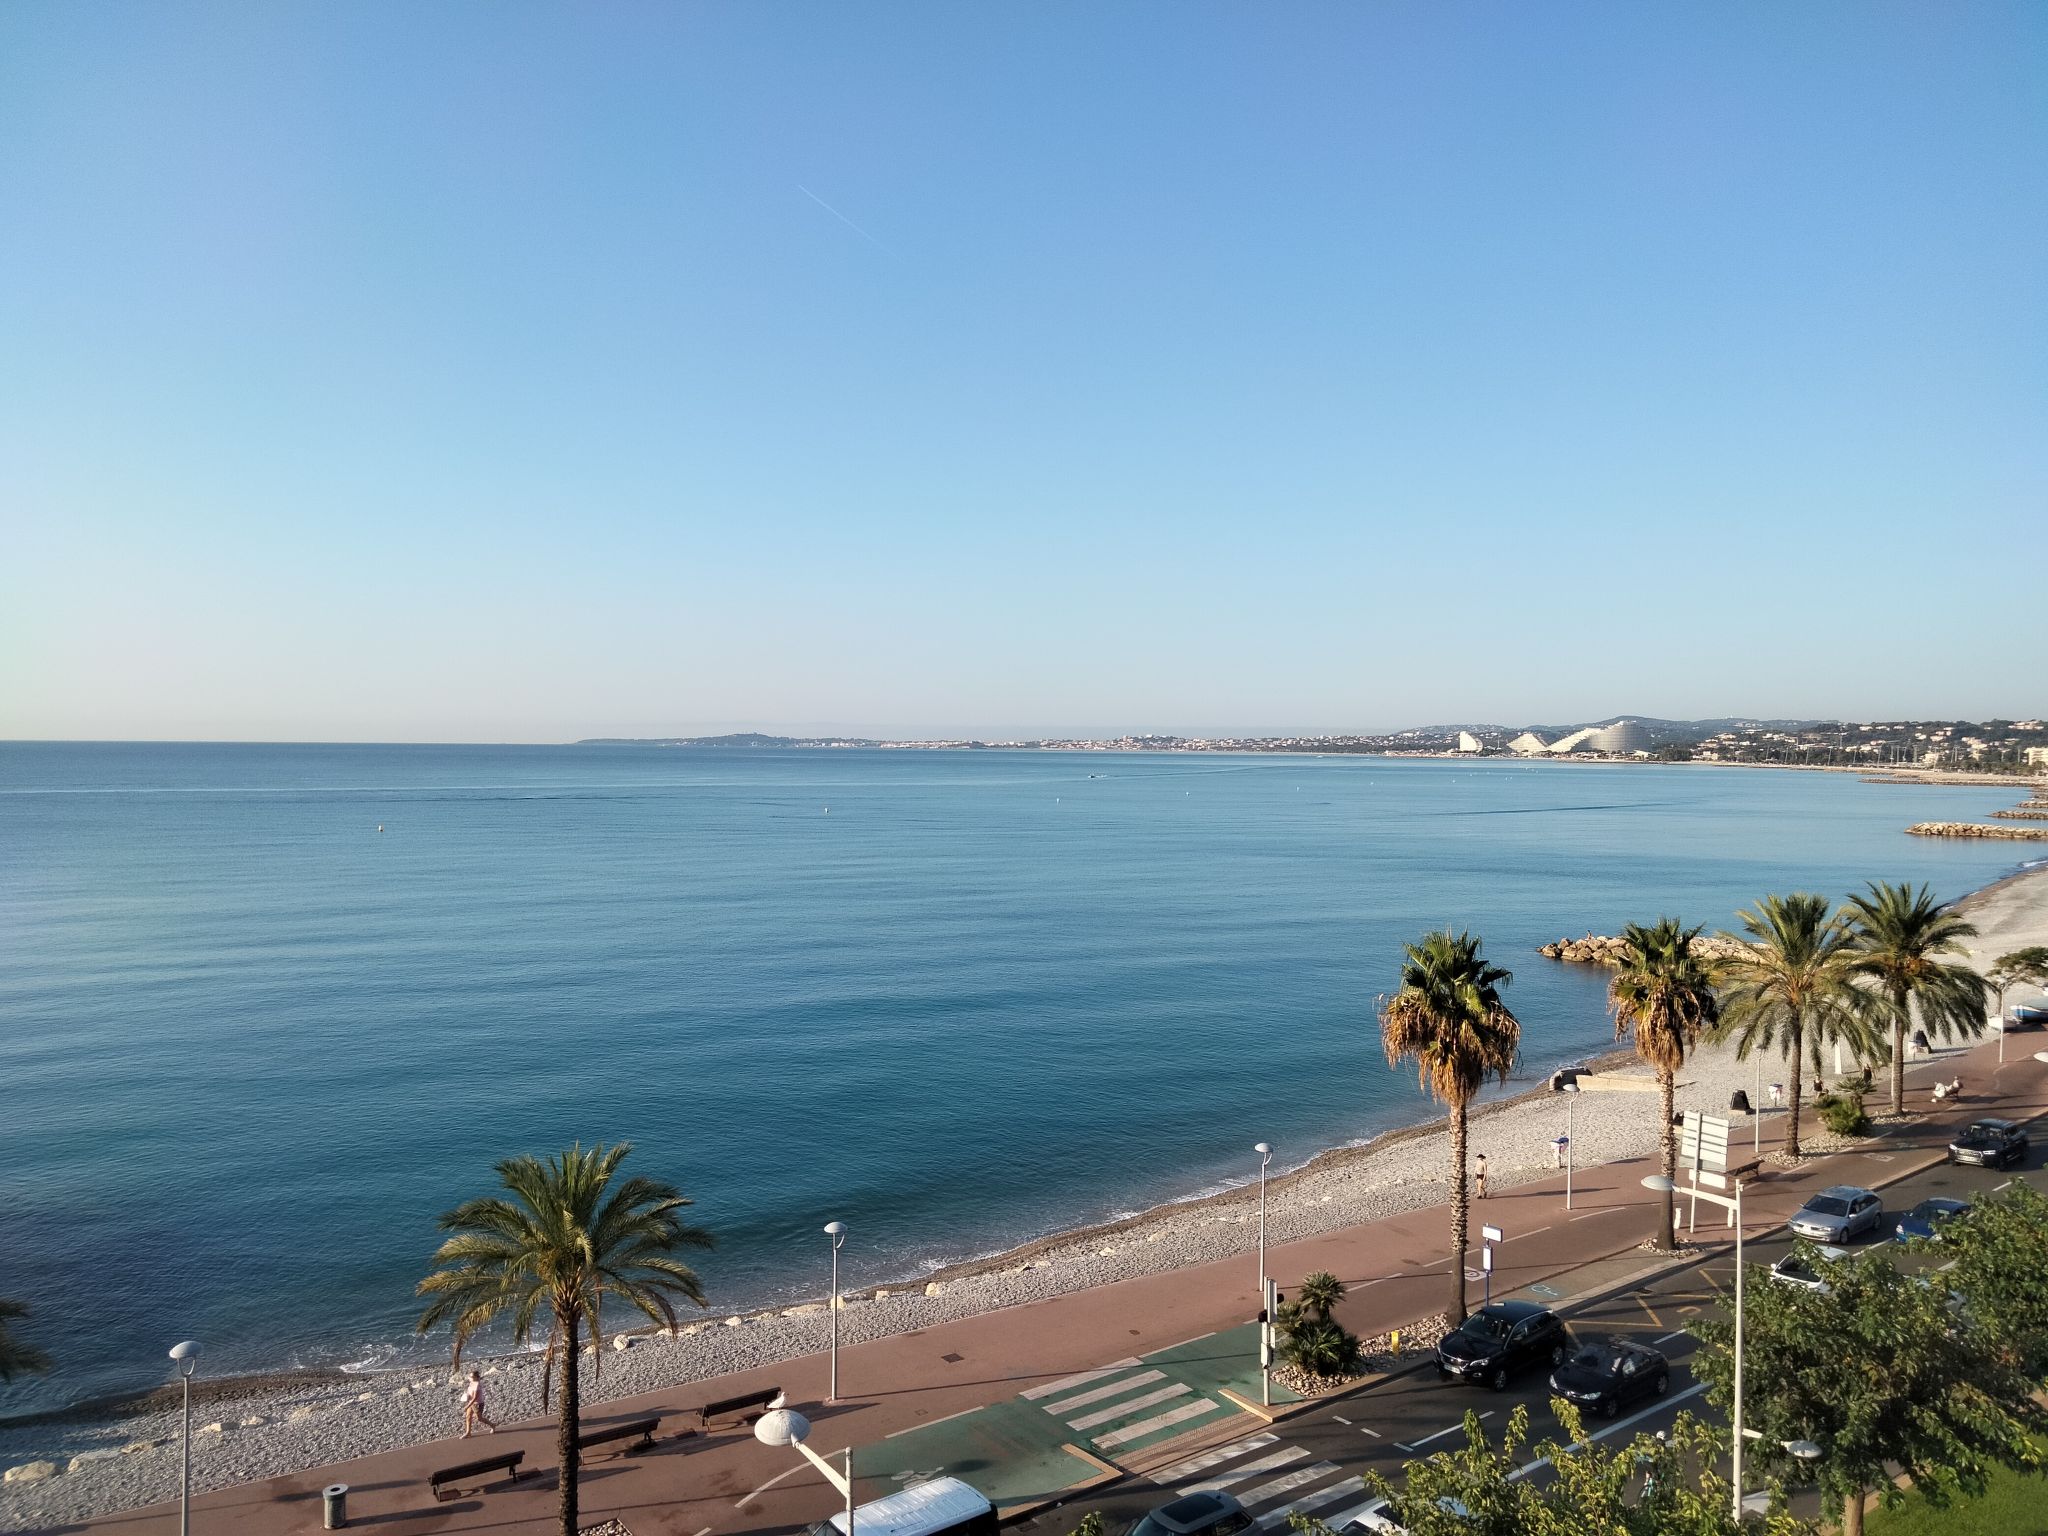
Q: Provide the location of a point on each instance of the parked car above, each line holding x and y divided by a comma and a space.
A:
1928, 1218
1838, 1214
1498, 1340
1381, 1518
1989, 1144
1607, 1377
1808, 1267
1195, 1514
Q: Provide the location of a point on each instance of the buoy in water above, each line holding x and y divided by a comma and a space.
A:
380, 826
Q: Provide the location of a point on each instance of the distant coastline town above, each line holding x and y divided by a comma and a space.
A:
1989, 746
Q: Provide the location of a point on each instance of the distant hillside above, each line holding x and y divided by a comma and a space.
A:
736, 739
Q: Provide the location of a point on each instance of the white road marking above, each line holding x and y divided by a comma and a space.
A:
1316, 1500
1200, 1407
1166, 1476
1442, 1432
1125, 1410
1281, 1486
928, 1423
1054, 1388
2003, 1187
1587, 1215
1340, 1418
1615, 1428
1067, 1405
1531, 1234
1667, 1338
1278, 1458
778, 1477
1364, 1431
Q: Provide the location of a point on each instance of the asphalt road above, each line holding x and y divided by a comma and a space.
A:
1314, 1463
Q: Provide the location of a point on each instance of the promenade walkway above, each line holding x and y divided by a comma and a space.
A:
1149, 1365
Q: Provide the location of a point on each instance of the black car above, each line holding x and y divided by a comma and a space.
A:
1501, 1339
1989, 1144
1607, 1377
1195, 1514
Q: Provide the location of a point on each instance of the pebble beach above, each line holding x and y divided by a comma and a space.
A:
262, 1428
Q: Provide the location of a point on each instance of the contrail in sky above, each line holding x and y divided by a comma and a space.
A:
842, 218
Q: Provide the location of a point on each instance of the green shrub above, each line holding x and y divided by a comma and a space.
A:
1843, 1114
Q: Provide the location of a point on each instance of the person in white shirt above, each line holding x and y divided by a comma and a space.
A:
473, 1407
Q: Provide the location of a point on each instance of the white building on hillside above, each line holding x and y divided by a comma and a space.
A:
1528, 744
1467, 742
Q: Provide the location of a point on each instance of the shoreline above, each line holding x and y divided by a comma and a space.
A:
119, 1452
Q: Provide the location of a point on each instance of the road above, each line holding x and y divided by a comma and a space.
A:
1315, 1463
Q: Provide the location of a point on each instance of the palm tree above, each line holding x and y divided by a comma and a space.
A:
17, 1358
566, 1239
1791, 987
1320, 1293
1663, 993
1449, 1020
1900, 936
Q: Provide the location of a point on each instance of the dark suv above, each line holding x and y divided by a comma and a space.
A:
1495, 1342
1989, 1144
1195, 1514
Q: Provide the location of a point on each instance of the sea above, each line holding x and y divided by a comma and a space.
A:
266, 1011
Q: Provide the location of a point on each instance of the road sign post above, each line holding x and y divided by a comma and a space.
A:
1488, 1236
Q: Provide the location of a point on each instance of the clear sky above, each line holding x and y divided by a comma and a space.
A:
525, 372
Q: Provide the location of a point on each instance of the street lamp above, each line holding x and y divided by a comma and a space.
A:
1266, 1321
1571, 1097
785, 1426
1662, 1185
187, 1357
836, 1230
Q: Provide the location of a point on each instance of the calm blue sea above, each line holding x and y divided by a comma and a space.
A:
250, 1045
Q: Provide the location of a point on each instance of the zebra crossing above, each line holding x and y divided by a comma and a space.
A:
1271, 1480
1123, 1407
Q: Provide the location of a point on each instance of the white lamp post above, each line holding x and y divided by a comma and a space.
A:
836, 1230
187, 1357
1662, 1185
785, 1426
1266, 1327
1571, 1146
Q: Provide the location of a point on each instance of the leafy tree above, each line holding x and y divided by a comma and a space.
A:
1448, 1018
1587, 1488
2023, 967
1311, 1338
1790, 988
16, 1357
567, 1238
1092, 1524
1843, 1113
2000, 1270
1900, 937
1880, 1372
1663, 994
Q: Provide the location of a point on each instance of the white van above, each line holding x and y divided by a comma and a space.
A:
944, 1506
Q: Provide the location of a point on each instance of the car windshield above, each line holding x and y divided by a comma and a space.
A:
1487, 1325
1936, 1210
1984, 1128
1149, 1527
1827, 1205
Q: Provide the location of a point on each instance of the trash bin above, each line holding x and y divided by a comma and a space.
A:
334, 1502
1738, 1103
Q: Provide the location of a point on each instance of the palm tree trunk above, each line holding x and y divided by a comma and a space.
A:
1458, 1215
1902, 1006
1852, 1513
1667, 1094
565, 1435
1798, 1060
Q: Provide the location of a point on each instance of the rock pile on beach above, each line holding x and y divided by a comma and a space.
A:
1977, 829
1606, 949
2033, 810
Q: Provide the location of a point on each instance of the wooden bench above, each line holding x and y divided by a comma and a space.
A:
636, 1429
507, 1463
745, 1408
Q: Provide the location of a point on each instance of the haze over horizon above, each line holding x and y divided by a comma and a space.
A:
488, 374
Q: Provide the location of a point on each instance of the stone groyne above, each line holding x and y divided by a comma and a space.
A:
1606, 949
1975, 829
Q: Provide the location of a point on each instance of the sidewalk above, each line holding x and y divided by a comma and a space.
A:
897, 1388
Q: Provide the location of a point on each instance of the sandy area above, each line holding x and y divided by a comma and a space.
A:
262, 1429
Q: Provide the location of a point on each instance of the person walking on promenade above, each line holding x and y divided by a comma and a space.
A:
1479, 1175
473, 1407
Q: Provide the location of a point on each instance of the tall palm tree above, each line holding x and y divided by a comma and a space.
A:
1449, 1020
1665, 996
1791, 988
1320, 1293
565, 1239
1901, 935
17, 1358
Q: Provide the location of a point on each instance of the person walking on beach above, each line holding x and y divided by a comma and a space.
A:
1479, 1174
473, 1407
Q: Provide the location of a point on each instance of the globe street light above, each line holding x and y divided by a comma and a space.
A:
785, 1426
187, 1357
836, 1230
1265, 1318
1662, 1185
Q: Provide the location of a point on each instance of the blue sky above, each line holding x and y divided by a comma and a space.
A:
519, 372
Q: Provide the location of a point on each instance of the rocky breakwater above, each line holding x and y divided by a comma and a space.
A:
1606, 949
1977, 829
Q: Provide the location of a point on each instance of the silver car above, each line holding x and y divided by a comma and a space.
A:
1838, 1215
